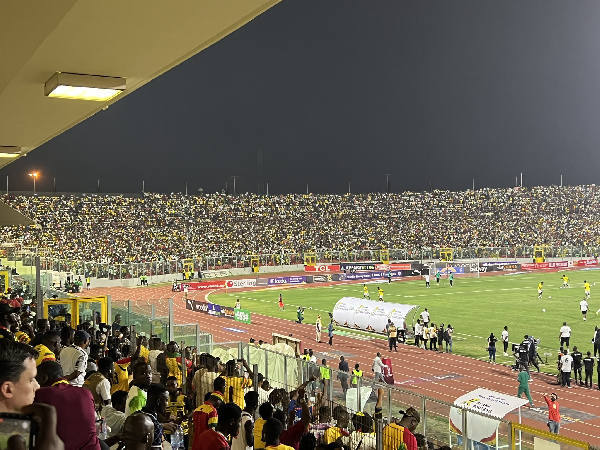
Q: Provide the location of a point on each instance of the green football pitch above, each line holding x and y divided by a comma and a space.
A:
475, 307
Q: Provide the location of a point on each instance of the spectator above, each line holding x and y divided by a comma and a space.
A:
17, 376
343, 375
156, 402
114, 413
74, 359
138, 432
74, 407
401, 431
245, 437
142, 379
237, 381
98, 383
206, 416
230, 416
271, 432
265, 412
49, 349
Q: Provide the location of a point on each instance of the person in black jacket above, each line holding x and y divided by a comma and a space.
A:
577, 365
588, 363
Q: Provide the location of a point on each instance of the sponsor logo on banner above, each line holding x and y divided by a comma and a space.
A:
403, 266
213, 310
358, 266
286, 280
242, 315
497, 263
201, 307
205, 285
585, 262
241, 283
546, 265
322, 268
321, 278
227, 312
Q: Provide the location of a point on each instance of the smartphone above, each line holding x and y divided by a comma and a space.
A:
20, 424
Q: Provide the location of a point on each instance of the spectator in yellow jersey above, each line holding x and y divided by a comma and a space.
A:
237, 381
339, 432
400, 431
177, 409
265, 412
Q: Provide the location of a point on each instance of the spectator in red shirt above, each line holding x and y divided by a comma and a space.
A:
206, 417
74, 408
553, 412
230, 417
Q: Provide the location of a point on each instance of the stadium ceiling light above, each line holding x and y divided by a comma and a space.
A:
83, 87
9, 152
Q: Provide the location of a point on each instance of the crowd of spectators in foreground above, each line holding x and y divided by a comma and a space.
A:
155, 227
102, 386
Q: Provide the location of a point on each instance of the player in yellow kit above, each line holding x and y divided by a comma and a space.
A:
540, 289
586, 288
565, 281
366, 292
380, 294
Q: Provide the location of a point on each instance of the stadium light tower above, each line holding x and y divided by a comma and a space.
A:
34, 175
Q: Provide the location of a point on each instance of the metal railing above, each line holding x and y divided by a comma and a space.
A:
288, 371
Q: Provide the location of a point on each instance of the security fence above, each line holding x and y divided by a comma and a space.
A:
283, 369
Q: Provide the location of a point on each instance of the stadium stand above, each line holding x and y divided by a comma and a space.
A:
154, 227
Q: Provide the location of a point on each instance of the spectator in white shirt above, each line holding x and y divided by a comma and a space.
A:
115, 413
73, 359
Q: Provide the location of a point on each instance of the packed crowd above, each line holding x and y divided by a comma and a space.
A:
102, 386
154, 227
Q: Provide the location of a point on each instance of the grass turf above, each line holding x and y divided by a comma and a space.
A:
475, 307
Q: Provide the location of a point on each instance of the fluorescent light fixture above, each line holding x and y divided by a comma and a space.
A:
9, 152
83, 87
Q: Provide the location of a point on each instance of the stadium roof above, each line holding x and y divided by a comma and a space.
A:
136, 40
12, 217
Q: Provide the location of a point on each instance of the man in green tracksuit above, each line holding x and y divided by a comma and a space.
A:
524, 386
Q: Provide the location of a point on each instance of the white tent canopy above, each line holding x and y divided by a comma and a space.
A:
491, 403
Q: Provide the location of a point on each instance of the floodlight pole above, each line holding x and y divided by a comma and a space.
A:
387, 182
348, 186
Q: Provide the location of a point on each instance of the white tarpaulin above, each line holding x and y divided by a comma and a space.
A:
479, 428
369, 315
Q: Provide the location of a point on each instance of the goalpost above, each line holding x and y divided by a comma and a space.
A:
462, 268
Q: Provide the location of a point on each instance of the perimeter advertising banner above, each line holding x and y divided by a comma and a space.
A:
323, 268
286, 280
546, 265
243, 283
241, 315
195, 286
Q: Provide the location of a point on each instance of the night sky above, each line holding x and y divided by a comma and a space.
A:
435, 93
